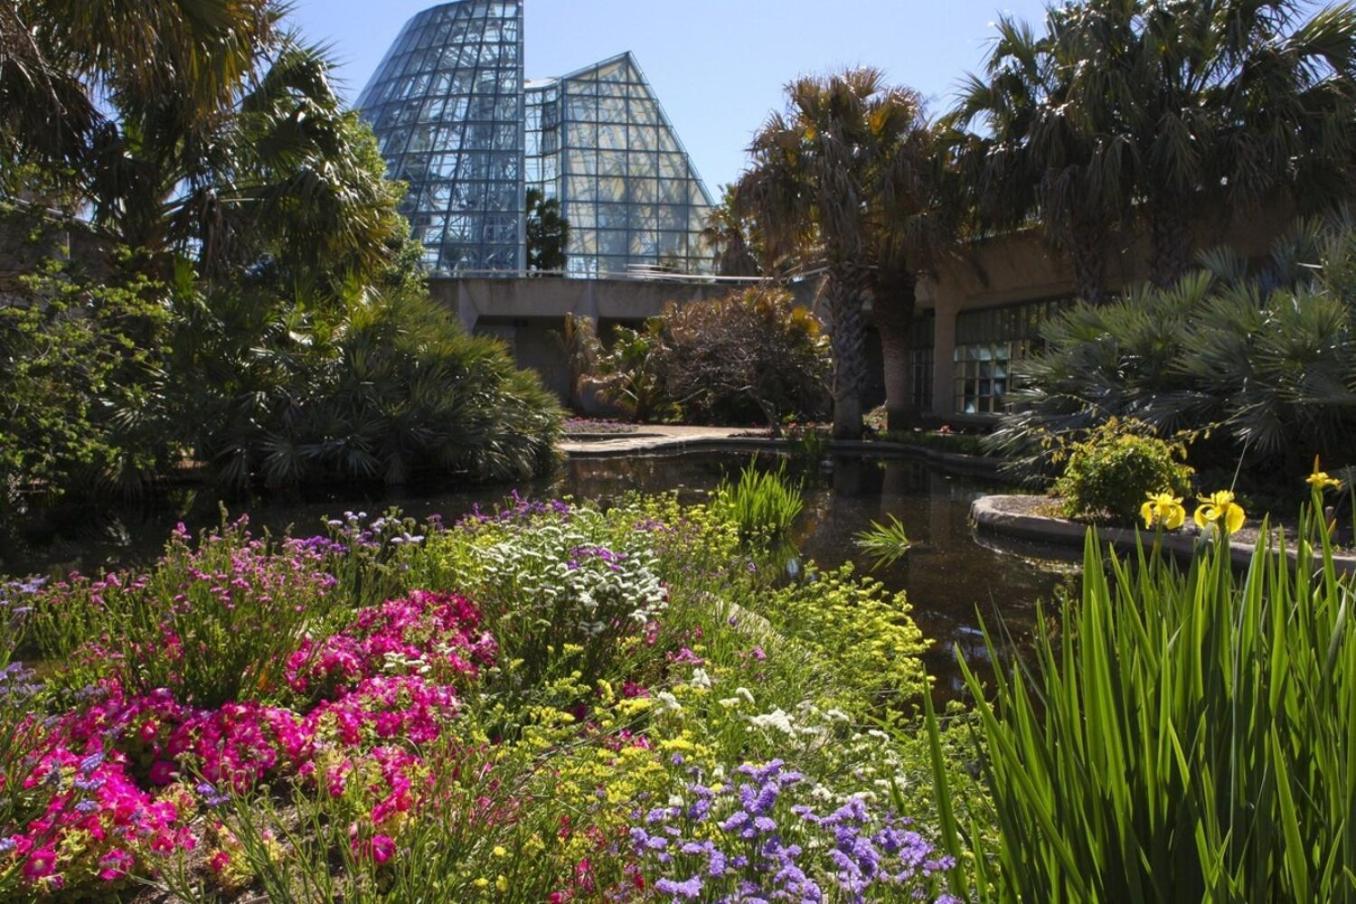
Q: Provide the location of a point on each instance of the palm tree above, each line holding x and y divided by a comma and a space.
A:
59, 57
1035, 157
915, 215
1128, 110
816, 190
728, 235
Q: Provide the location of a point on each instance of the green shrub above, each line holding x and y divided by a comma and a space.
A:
752, 355
1109, 473
861, 634
1179, 736
401, 390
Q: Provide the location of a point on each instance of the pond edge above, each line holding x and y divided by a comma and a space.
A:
977, 465
994, 514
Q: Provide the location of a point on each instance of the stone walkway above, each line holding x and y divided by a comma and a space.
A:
664, 438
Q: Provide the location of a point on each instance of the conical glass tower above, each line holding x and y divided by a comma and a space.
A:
455, 119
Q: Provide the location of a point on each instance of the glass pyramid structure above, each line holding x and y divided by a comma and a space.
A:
456, 120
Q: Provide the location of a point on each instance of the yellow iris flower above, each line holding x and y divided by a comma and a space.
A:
1220, 510
1320, 480
1164, 510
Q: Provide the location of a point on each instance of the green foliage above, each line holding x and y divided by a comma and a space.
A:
77, 362
408, 392
1110, 472
883, 544
763, 504
860, 633
1184, 736
1261, 365
632, 370
548, 233
1115, 112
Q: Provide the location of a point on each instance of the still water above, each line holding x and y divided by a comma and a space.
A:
951, 578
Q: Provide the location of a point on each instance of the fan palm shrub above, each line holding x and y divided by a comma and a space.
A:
1244, 363
401, 390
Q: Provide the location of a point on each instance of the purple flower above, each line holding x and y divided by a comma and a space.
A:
685, 890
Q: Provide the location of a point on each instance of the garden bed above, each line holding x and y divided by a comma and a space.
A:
544, 703
1031, 517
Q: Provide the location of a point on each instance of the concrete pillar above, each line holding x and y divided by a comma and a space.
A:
466, 306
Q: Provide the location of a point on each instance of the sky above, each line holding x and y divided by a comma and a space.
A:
717, 66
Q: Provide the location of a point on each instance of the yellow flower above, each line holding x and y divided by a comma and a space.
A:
1164, 510
502, 884
1220, 510
1320, 480
500, 851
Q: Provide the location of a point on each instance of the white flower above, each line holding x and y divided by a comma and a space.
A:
777, 719
669, 701
700, 678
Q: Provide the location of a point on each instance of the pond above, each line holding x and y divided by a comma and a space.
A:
951, 579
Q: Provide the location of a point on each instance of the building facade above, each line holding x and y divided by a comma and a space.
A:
456, 120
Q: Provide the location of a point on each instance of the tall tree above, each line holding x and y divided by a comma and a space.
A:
816, 189
548, 233
199, 129
1155, 111
914, 217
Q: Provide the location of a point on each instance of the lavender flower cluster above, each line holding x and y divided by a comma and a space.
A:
746, 843
517, 509
15, 606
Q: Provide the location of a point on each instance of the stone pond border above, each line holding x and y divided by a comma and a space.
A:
996, 514
672, 440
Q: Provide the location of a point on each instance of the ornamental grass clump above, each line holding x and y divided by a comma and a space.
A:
1184, 735
764, 504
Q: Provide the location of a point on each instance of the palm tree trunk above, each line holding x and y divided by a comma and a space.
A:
1170, 250
848, 339
893, 311
1088, 252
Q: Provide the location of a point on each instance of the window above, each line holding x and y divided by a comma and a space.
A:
988, 343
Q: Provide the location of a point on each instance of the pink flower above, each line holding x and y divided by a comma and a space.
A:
41, 863
383, 848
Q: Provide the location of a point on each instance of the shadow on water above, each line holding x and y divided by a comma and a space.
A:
950, 578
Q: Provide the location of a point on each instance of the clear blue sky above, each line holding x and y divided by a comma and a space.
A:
718, 66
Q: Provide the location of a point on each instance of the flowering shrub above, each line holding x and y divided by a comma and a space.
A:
433, 634
859, 631
555, 586
209, 624
92, 822
745, 840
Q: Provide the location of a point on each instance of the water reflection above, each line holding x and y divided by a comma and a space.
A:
951, 580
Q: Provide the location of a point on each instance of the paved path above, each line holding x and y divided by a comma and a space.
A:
662, 438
